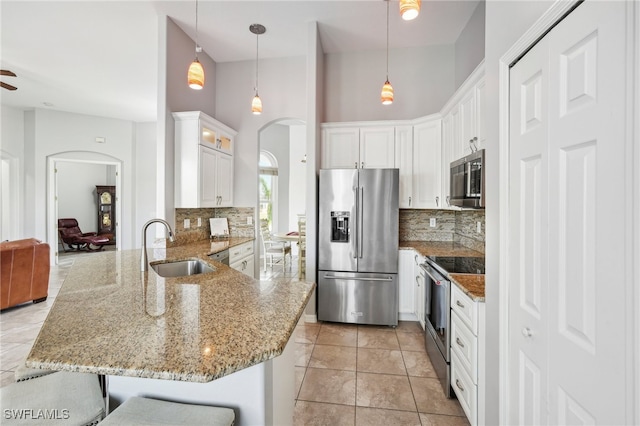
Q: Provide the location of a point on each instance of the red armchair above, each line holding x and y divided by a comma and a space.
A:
72, 236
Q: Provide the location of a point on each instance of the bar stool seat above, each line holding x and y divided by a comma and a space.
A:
145, 411
23, 373
54, 399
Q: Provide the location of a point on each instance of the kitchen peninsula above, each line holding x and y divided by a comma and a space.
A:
216, 338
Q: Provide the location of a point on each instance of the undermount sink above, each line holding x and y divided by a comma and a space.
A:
181, 268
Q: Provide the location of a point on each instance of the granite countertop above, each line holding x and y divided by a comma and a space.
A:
471, 284
110, 318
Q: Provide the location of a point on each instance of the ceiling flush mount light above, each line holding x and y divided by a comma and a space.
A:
387, 91
256, 103
195, 76
409, 9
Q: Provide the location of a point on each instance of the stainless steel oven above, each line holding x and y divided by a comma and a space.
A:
438, 322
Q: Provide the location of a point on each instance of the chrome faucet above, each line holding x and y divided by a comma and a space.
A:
144, 266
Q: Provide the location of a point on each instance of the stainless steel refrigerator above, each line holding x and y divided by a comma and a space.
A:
358, 246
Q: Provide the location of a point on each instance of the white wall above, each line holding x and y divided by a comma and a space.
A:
54, 133
297, 174
12, 156
422, 80
469, 48
145, 178
506, 21
77, 192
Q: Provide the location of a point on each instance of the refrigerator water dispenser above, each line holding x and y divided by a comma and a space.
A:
339, 227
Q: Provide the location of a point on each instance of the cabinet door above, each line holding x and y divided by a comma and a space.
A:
406, 281
340, 148
208, 166
224, 180
467, 122
419, 290
404, 162
427, 163
480, 120
377, 147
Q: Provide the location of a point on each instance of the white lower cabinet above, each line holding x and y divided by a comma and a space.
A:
467, 349
241, 258
420, 290
405, 285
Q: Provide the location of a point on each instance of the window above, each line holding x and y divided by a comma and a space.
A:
268, 180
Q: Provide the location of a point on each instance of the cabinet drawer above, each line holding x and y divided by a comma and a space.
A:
466, 308
465, 390
238, 252
465, 345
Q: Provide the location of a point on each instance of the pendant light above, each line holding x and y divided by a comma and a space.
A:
256, 103
409, 9
195, 76
386, 96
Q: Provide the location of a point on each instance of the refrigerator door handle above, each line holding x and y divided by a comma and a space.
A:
333, 277
354, 240
360, 222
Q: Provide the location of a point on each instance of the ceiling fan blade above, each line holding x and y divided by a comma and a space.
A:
7, 86
8, 73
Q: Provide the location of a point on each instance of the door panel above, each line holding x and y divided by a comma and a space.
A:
568, 225
378, 220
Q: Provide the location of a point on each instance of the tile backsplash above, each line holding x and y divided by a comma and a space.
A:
451, 225
236, 216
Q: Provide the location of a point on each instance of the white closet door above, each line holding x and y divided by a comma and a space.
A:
569, 328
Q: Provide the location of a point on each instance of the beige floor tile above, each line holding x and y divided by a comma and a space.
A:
299, 375
13, 354
344, 335
334, 357
376, 327
384, 391
378, 339
321, 414
303, 354
442, 420
332, 386
409, 327
26, 334
383, 361
418, 364
379, 417
6, 378
430, 398
306, 333
411, 341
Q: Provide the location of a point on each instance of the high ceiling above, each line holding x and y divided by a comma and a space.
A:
100, 57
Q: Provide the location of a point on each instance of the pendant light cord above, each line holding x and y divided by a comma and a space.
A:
197, 45
257, 38
387, 40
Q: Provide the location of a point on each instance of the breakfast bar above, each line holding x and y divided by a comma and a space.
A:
216, 338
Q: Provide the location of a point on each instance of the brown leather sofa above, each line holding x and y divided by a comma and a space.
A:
24, 272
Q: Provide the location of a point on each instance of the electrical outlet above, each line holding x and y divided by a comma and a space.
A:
249, 220
199, 222
479, 226
187, 224
432, 222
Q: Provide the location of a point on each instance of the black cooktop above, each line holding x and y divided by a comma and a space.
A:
459, 265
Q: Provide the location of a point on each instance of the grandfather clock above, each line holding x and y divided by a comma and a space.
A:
107, 212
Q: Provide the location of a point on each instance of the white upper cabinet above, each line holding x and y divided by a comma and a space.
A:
427, 162
203, 161
404, 163
357, 146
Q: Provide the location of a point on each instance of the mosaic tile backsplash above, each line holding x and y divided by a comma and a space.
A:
236, 216
457, 226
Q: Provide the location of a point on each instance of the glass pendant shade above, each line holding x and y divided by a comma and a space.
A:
195, 76
256, 105
387, 93
409, 9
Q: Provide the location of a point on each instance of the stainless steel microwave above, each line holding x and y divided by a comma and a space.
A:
467, 181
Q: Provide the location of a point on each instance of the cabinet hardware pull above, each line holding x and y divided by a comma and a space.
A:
418, 280
362, 165
415, 259
526, 332
459, 385
409, 201
459, 304
356, 166
437, 201
448, 201
459, 342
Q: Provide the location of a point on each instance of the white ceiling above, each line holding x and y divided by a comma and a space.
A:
100, 57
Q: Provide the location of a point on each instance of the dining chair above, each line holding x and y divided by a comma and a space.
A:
273, 249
